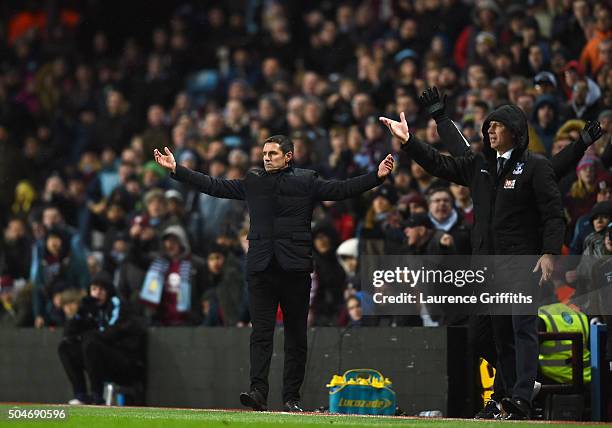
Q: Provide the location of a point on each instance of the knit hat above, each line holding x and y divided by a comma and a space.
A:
601, 208
103, 279
586, 161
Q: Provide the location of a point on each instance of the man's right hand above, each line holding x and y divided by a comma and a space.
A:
398, 129
431, 100
167, 160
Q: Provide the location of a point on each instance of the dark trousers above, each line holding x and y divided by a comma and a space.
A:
483, 344
267, 290
100, 361
516, 343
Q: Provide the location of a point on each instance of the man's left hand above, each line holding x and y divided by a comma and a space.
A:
386, 166
546, 264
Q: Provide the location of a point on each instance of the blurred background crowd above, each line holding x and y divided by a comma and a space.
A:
88, 90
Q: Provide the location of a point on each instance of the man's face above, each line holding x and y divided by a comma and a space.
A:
99, 293
545, 115
274, 158
215, 262
51, 217
172, 246
499, 137
322, 243
440, 205
157, 207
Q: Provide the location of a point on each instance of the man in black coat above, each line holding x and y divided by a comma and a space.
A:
517, 211
562, 163
280, 200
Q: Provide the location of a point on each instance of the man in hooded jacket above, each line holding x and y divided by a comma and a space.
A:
562, 163
517, 211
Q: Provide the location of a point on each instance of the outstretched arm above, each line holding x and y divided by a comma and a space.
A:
220, 188
566, 160
335, 190
450, 135
458, 170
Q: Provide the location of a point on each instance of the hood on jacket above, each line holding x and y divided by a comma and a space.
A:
349, 248
179, 233
545, 100
512, 117
572, 125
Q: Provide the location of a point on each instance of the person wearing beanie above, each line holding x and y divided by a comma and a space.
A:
583, 192
280, 200
518, 211
102, 340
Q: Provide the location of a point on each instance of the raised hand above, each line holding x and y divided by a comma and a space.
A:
386, 166
591, 133
167, 160
431, 100
398, 129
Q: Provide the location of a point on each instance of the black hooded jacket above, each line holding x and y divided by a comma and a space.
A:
114, 322
519, 212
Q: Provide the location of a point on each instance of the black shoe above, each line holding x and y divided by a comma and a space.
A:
293, 406
490, 411
254, 400
516, 409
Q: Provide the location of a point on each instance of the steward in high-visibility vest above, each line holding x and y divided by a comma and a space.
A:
555, 355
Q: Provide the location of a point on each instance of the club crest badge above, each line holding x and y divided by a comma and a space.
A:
518, 168
509, 184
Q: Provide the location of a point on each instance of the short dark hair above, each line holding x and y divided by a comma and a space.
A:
284, 142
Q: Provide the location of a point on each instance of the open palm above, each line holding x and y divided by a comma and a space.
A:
399, 129
167, 160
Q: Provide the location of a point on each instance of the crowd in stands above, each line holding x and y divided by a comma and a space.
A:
81, 112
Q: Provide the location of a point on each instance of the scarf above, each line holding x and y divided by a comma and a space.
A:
153, 284
447, 224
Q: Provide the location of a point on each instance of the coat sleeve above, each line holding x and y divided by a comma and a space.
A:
335, 190
220, 188
456, 169
452, 138
548, 200
566, 160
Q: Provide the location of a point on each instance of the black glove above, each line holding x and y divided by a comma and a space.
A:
430, 100
591, 133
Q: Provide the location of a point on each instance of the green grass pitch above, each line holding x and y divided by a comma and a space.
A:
136, 417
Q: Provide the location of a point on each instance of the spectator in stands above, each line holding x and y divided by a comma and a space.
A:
172, 286
445, 217
55, 268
